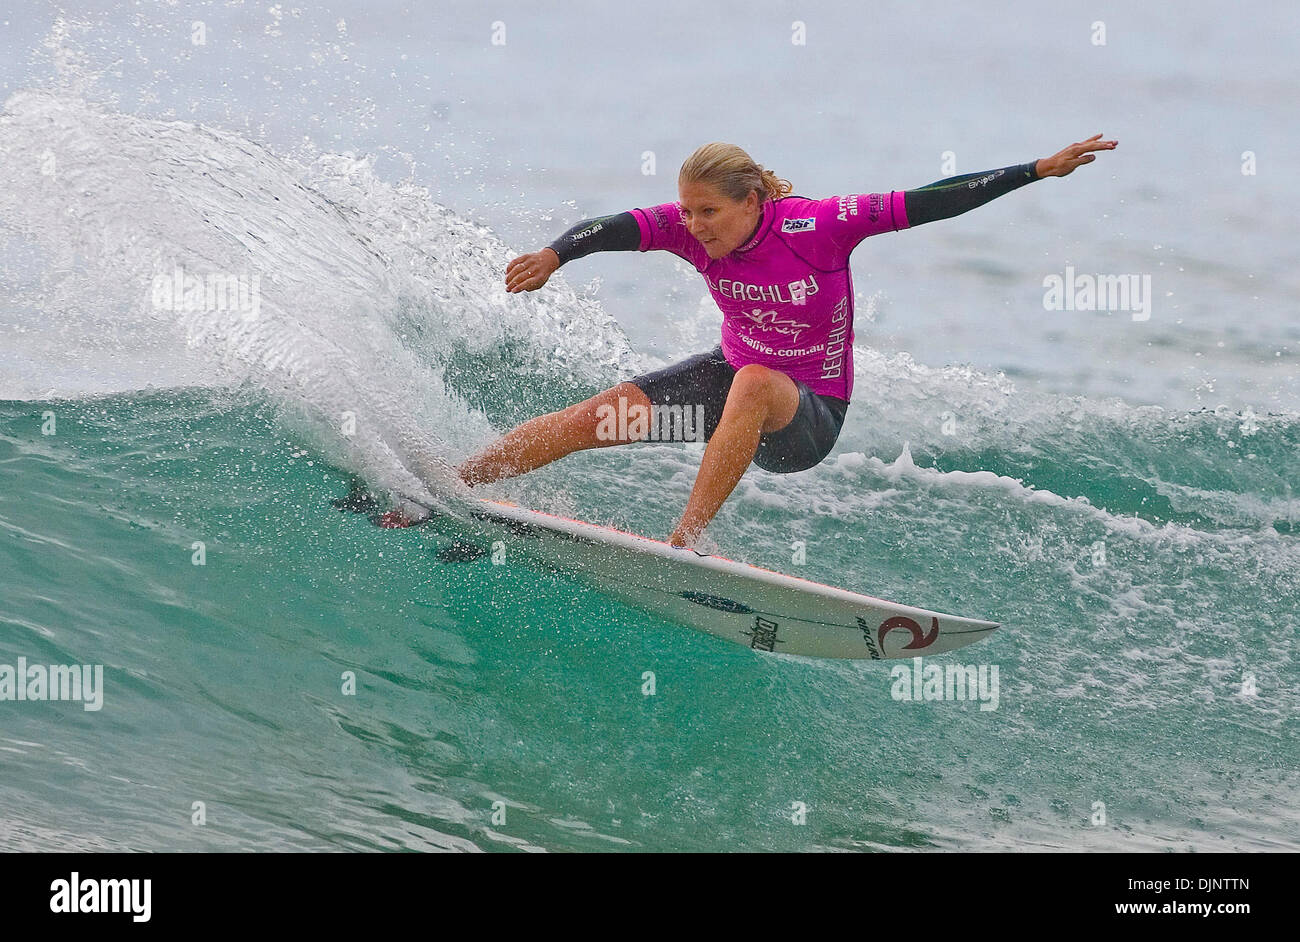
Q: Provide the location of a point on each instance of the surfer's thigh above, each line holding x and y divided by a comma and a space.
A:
807, 439
594, 422
686, 392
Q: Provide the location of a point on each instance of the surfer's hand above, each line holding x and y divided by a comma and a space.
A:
1076, 155
529, 272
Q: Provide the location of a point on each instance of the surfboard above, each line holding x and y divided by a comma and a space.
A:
745, 604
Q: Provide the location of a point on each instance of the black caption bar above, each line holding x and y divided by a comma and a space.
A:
336, 892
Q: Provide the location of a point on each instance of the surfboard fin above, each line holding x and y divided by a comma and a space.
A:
357, 501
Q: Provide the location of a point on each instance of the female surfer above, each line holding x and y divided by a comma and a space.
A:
776, 389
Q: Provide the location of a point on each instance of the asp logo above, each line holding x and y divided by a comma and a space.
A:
799, 225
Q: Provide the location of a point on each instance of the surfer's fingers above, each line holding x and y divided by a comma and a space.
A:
517, 276
1091, 144
527, 272
512, 272
520, 282
523, 281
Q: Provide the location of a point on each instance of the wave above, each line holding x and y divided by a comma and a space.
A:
357, 300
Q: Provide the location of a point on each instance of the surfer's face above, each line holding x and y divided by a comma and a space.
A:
722, 225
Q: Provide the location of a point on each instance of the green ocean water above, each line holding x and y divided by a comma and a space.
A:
478, 684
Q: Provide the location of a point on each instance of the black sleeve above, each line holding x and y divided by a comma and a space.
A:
952, 196
617, 233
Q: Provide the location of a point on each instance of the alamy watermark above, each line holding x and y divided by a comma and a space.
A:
666, 423
84, 682
947, 682
215, 291
81, 895
1082, 292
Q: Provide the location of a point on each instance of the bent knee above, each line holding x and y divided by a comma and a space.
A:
755, 384
753, 372
770, 394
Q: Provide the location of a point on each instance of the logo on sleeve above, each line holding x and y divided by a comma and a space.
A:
875, 206
799, 225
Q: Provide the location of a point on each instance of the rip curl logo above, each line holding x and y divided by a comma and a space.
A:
799, 225
920, 638
775, 323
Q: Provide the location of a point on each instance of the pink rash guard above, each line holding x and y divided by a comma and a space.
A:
786, 295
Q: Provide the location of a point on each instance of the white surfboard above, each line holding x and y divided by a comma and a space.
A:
761, 609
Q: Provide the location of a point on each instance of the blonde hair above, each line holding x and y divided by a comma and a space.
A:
733, 173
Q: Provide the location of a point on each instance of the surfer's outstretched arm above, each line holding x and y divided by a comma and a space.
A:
616, 233
953, 196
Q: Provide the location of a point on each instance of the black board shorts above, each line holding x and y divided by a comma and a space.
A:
705, 379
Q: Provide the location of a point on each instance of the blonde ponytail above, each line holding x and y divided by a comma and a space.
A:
733, 173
